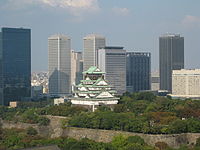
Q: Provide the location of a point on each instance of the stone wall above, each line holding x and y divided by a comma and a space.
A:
173, 140
55, 130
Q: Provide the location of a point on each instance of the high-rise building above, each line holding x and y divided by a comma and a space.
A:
138, 71
15, 65
171, 57
59, 65
76, 67
186, 83
155, 81
91, 44
112, 60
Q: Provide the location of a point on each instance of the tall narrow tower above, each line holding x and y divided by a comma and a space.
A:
15, 65
59, 65
91, 44
171, 57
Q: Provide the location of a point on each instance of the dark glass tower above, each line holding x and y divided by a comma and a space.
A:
171, 57
138, 71
15, 64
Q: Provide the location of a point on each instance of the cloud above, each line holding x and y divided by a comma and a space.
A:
191, 21
121, 11
74, 7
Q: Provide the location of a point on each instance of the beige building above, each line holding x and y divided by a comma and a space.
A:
155, 81
58, 101
186, 83
76, 67
13, 104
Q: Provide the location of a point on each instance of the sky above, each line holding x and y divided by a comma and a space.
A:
134, 24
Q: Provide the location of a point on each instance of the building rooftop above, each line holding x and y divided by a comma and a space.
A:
170, 35
139, 53
93, 70
93, 36
56, 36
187, 72
112, 47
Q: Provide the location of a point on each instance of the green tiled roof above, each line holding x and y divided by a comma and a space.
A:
100, 79
93, 92
92, 70
95, 86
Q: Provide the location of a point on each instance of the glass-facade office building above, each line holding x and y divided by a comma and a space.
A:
15, 64
171, 57
138, 71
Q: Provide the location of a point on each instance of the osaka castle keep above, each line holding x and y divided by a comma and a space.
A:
94, 90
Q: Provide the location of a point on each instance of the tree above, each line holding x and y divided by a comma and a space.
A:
120, 108
133, 146
30, 116
193, 125
119, 142
161, 117
198, 141
136, 139
104, 108
178, 126
145, 96
31, 131
138, 107
43, 121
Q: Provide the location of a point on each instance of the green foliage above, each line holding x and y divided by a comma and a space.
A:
157, 115
178, 126
63, 110
105, 120
145, 96
136, 112
18, 139
31, 131
136, 139
103, 108
43, 121
198, 142
120, 108
119, 142
36, 104
30, 116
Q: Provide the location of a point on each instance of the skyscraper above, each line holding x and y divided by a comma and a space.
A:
76, 67
91, 44
15, 64
138, 71
59, 65
112, 60
171, 57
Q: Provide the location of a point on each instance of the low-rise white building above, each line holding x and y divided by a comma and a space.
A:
58, 101
186, 83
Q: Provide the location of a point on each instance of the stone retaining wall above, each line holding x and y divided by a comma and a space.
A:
55, 130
